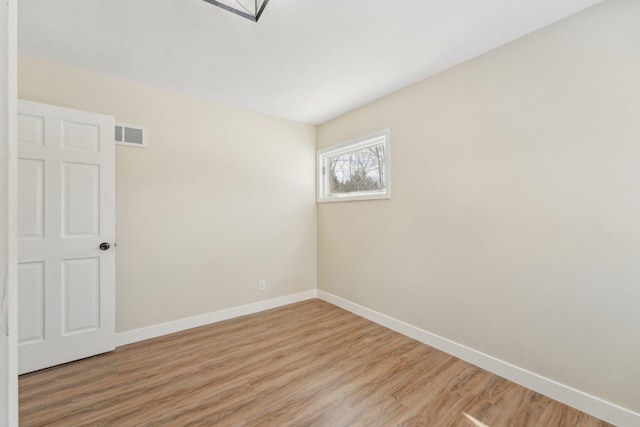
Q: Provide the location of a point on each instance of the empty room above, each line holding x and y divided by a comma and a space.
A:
318, 213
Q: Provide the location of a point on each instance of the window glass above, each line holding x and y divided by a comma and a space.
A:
356, 170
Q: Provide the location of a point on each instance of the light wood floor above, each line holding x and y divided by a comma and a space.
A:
307, 364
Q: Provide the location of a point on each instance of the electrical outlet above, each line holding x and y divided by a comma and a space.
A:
262, 285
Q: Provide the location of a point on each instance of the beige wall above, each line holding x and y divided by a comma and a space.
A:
220, 199
514, 226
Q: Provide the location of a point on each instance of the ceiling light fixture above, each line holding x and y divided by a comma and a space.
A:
250, 9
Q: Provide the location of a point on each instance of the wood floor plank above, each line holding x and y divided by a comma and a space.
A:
306, 364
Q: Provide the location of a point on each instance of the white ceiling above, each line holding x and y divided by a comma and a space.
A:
305, 60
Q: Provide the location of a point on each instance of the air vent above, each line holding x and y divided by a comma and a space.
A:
133, 136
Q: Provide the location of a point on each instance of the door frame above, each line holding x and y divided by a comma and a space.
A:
8, 214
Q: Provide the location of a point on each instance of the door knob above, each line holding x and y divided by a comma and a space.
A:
104, 246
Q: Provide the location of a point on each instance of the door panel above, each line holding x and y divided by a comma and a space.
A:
31, 199
80, 199
80, 136
66, 182
81, 295
31, 130
31, 302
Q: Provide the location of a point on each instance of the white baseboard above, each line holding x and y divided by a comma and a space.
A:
135, 335
584, 402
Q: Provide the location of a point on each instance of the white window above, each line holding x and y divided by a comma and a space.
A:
356, 170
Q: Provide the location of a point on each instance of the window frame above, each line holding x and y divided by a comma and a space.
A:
382, 137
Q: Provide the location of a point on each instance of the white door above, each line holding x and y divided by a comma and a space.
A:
66, 213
